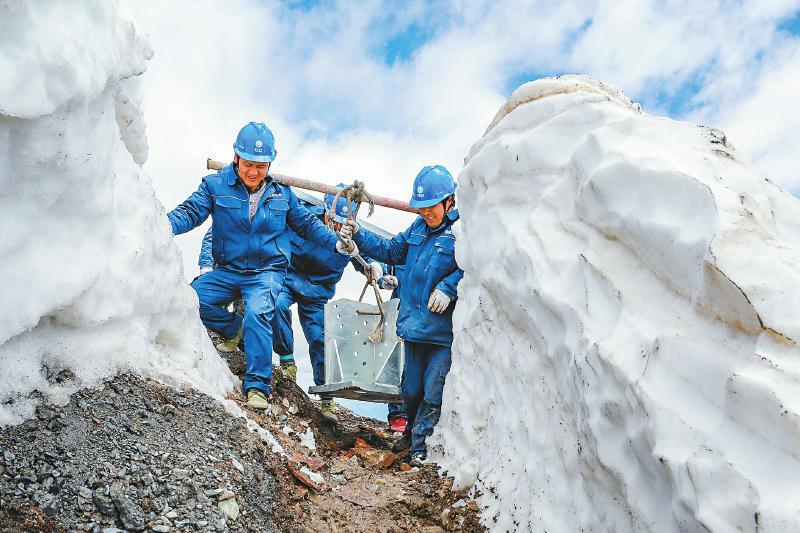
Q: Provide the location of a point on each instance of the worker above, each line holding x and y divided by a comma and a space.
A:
310, 283
390, 280
427, 296
251, 247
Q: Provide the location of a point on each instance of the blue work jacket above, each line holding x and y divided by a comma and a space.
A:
239, 244
313, 271
428, 256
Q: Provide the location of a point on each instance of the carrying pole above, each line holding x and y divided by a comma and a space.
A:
324, 188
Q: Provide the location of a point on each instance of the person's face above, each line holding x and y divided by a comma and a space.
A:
435, 214
251, 173
336, 225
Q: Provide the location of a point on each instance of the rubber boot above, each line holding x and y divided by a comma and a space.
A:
328, 412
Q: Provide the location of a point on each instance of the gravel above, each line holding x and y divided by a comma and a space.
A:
137, 456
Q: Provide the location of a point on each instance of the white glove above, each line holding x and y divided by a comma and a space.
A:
438, 301
388, 282
340, 247
205, 270
349, 228
375, 271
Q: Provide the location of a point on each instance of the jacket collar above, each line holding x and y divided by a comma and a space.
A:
230, 174
449, 218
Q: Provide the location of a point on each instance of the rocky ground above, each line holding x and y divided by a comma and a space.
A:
135, 455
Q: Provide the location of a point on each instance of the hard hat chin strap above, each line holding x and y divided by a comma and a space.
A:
452, 204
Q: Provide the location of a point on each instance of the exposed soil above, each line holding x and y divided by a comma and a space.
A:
365, 486
136, 455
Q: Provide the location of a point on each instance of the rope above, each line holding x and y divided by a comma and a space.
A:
353, 193
356, 193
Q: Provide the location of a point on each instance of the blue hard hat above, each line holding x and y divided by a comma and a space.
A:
342, 211
255, 142
432, 185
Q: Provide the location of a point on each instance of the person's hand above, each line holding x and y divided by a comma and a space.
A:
438, 302
349, 229
375, 271
205, 270
388, 282
343, 249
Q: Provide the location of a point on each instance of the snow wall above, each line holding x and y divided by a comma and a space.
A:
91, 280
625, 354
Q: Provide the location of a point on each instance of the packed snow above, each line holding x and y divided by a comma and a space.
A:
92, 282
625, 354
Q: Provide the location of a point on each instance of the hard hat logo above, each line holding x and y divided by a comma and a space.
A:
259, 144
432, 185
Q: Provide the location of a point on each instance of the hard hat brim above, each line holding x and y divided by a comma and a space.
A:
268, 158
430, 203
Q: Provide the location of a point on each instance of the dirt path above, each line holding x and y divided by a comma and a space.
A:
362, 485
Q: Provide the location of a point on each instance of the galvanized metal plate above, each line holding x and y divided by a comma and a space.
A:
355, 367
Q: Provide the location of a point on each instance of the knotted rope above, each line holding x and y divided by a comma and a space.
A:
356, 193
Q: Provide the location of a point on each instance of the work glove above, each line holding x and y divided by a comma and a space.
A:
205, 270
438, 302
349, 229
342, 248
388, 282
375, 271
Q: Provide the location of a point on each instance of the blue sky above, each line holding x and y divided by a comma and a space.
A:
376, 89
359, 67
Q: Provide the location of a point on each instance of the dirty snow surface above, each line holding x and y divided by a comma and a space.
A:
92, 282
625, 354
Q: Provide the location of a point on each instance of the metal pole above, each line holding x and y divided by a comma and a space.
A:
322, 187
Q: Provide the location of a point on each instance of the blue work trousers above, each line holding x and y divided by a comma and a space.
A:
311, 312
259, 290
426, 367
396, 410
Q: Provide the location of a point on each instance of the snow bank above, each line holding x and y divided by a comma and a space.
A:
91, 279
625, 354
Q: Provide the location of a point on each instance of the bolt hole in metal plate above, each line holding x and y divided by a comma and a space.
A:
355, 367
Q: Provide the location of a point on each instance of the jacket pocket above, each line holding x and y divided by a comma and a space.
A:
276, 217
415, 239
444, 253
228, 202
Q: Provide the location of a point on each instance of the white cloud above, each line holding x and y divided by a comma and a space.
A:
318, 78
765, 125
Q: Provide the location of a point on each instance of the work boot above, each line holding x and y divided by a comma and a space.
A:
290, 371
256, 399
230, 345
288, 367
417, 460
403, 444
328, 412
398, 425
